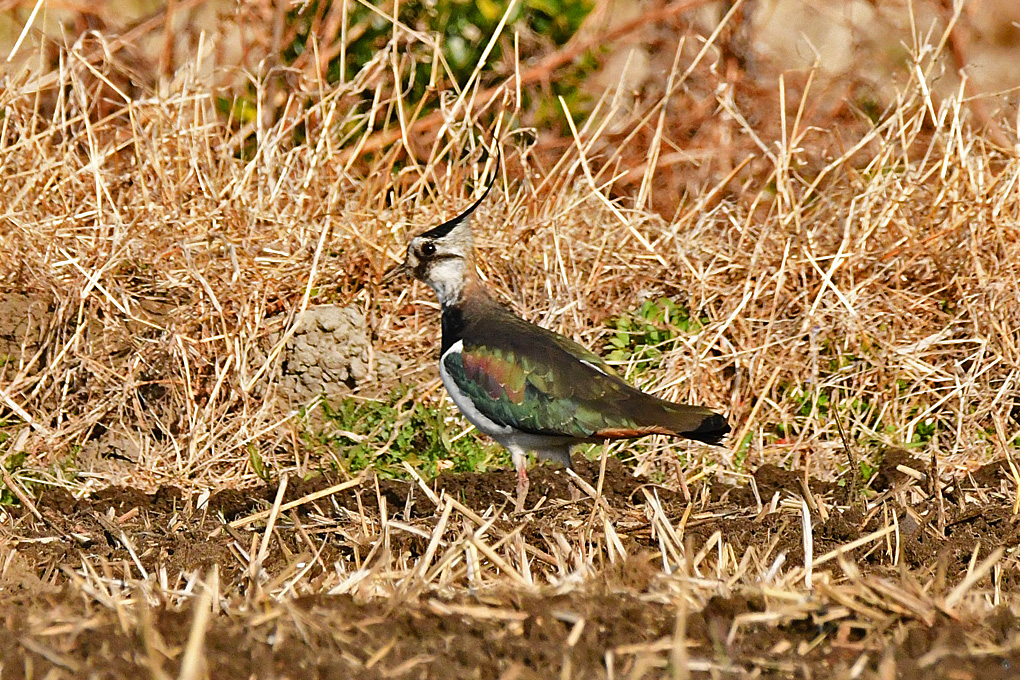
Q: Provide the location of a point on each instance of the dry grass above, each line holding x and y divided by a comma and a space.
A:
888, 276
877, 292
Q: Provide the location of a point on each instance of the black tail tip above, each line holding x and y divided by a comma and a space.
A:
711, 430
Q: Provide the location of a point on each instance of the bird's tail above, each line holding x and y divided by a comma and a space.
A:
695, 422
642, 414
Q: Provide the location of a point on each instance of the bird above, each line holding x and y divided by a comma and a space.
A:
527, 387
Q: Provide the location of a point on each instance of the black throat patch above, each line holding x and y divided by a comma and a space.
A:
453, 327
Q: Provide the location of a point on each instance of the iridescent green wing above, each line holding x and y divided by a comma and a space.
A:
537, 381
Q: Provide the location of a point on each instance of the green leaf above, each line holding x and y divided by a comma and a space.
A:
258, 465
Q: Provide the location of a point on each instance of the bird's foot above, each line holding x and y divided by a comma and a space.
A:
522, 488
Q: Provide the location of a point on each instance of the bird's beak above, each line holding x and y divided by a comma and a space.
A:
395, 272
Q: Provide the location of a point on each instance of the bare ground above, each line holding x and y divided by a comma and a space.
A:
398, 587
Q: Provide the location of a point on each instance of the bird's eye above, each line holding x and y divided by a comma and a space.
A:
428, 250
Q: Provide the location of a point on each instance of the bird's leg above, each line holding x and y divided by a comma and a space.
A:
520, 458
522, 487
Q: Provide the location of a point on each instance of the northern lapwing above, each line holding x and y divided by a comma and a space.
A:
527, 387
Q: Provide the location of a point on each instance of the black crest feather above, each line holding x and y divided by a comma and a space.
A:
448, 226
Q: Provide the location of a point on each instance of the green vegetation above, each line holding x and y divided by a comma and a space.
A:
12, 462
866, 471
642, 337
381, 434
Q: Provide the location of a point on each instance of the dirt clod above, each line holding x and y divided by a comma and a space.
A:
329, 354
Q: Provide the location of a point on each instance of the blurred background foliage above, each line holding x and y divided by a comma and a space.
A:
550, 65
462, 30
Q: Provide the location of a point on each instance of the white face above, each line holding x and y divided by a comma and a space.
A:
441, 263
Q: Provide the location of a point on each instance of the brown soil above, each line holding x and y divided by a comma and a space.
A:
77, 603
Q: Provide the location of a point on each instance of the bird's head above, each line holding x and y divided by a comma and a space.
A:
442, 257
